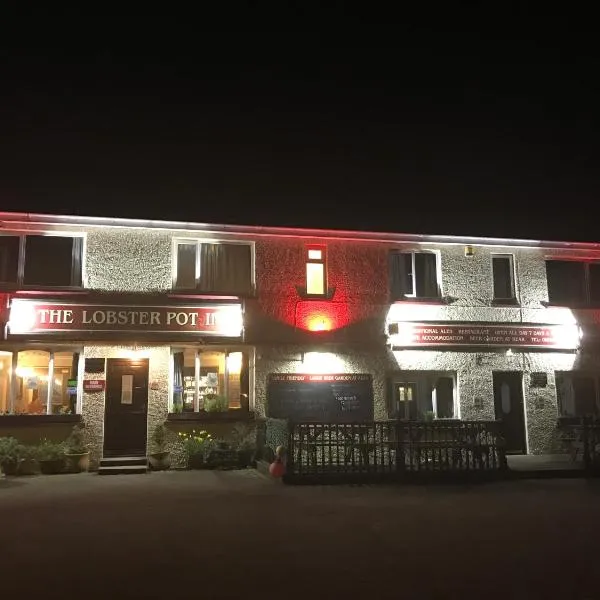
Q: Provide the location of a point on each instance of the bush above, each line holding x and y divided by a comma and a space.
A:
75, 443
48, 450
216, 403
10, 452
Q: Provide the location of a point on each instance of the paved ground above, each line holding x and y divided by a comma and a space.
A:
212, 535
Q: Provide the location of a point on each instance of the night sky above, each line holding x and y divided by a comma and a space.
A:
458, 133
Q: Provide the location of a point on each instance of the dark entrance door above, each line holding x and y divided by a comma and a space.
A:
508, 404
125, 407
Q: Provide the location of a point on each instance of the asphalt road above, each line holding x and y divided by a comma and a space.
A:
212, 535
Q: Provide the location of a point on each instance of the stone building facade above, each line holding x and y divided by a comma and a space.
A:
308, 324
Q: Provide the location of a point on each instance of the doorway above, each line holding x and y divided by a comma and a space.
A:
509, 407
125, 407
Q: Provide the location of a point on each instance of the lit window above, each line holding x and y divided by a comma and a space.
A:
209, 380
44, 382
315, 271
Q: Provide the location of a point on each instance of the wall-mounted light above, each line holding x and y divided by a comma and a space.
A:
469, 251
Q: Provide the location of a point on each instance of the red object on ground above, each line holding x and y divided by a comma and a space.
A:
277, 469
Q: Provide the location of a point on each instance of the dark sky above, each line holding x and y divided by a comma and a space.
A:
462, 133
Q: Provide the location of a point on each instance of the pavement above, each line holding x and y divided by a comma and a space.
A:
234, 534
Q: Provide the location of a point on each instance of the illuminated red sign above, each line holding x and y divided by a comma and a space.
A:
94, 385
30, 316
408, 335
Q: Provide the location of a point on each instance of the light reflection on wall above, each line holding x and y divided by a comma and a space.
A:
320, 363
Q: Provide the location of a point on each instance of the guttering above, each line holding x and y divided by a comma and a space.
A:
35, 219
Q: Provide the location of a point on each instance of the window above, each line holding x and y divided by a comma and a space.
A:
209, 380
503, 274
572, 283
214, 267
43, 260
413, 275
9, 258
577, 393
316, 276
422, 395
44, 382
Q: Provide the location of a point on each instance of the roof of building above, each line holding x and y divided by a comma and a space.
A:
14, 220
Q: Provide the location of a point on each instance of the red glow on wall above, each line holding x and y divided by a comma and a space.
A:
321, 316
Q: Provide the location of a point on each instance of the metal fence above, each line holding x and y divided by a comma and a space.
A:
393, 449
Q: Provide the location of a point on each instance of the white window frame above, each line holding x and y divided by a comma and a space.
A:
12, 379
197, 364
322, 261
513, 274
416, 378
22, 235
198, 241
438, 270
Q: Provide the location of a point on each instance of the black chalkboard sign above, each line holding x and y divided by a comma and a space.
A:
539, 379
94, 365
342, 398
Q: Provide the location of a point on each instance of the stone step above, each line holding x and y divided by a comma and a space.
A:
123, 470
124, 461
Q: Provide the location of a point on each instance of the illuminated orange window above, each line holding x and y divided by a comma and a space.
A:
315, 271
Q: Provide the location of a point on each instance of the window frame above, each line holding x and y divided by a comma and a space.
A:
417, 379
320, 261
577, 373
197, 366
52, 350
198, 242
585, 264
513, 277
438, 273
78, 258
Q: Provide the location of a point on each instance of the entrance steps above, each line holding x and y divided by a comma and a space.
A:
123, 465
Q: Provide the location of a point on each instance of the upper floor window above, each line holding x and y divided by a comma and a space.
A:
413, 275
316, 273
214, 267
44, 260
573, 283
504, 278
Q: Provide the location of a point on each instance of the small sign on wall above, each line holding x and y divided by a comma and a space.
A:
94, 385
538, 380
94, 365
154, 385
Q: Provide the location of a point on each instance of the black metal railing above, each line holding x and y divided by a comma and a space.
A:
394, 448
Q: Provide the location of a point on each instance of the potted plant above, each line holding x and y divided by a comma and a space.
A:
245, 444
215, 403
160, 459
27, 460
9, 455
51, 456
196, 447
77, 455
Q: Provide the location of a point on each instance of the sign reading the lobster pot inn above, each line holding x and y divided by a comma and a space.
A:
29, 316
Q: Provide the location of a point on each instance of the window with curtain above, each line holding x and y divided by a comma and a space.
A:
413, 275
577, 393
214, 267
422, 395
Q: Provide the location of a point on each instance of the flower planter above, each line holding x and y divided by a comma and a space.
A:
52, 466
28, 466
196, 461
77, 463
160, 461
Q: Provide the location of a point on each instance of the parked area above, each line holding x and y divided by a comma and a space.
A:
226, 534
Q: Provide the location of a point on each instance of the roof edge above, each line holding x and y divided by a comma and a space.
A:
15, 218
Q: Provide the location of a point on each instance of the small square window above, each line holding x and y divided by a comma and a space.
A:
316, 275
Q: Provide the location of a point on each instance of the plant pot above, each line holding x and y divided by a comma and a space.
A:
196, 461
245, 458
160, 461
77, 463
28, 466
52, 466
10, 467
